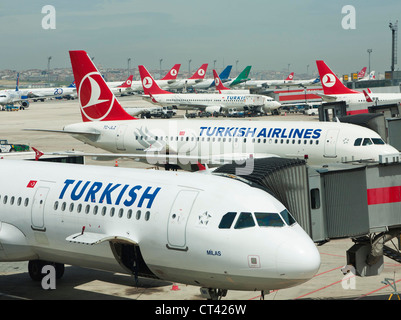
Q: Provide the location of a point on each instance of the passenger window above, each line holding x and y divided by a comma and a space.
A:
104, 209
147, 215
5, 199
358, 142
19, 201
227, 220
268, 219
79, 207
71, 206
288, 218
112, 210
95, 210
138, 214
26, 202
245, 220
129, 214
120, 213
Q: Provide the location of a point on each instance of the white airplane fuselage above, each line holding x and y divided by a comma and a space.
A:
320, 142
215, 101
95, 216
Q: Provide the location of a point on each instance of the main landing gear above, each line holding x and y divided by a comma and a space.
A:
212, 293
35, 269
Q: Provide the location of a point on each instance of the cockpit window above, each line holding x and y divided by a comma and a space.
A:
227, 220
288, 218
358, 142
377, 141
367, 142
268, 219
245, 220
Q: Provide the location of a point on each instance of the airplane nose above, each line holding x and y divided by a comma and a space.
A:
298, 259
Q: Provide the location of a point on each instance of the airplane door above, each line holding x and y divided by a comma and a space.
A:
120, 137
38, 209
178, 219
330, 143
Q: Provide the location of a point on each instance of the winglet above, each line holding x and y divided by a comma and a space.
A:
38, 153
367, 97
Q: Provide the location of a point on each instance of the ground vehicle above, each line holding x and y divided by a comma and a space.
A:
9, 147
162, 112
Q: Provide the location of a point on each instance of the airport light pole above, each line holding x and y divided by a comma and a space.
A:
369, 52
214, 64
48, 70
129, 60
307, 69
189, 67
160, 61
236, 66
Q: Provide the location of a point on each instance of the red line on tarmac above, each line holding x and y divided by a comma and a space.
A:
369, 293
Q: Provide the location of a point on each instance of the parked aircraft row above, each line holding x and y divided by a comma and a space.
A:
181, 227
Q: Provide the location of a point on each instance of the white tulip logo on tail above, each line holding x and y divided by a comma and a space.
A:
329, 80
95, 104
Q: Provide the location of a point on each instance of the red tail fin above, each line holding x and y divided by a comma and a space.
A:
331, 84
172, 74
127, 83
290, 77
96, 100
361, 73
217, 82
200, 73
150, 87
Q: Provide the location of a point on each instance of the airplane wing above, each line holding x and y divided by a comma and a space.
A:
152, 157
91, 238
326, 97
93, 132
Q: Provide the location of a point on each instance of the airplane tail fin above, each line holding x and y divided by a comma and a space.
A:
172, 74
242, 77
200, 73
225, 73
127, 83
361, 73
290, 77
331, 84
17, 83
150, 87
218, 83
72, 85
367, 97
96, 100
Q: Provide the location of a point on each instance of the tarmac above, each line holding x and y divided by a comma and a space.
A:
83, 284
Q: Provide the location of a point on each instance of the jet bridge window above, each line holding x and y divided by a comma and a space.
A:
245, 220
227, 220
269, 219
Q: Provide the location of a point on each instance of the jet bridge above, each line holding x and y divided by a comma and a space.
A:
361, 201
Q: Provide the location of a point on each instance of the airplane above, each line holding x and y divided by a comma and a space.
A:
46, 93
106, 125
169, 78
197, 77
10, 97
174, 226
370, 76
209, 102
335, 90
209, 83
289, 81
270, 105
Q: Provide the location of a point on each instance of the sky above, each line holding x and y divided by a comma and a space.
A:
268, 35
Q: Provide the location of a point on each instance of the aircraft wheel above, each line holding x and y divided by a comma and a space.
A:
35, 269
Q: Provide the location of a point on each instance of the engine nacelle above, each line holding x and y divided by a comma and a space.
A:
212, 109
24, 104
